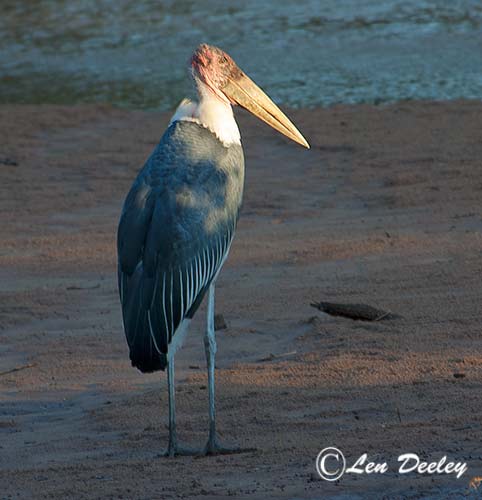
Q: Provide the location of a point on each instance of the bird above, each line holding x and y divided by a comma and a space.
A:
178, 222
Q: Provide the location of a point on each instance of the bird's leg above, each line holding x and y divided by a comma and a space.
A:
173, 448
210, 348
213, 446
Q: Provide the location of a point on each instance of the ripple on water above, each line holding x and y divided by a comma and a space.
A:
134, 53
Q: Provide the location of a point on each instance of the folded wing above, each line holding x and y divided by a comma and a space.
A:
175, 232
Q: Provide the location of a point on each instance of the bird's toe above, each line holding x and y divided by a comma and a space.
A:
213, 447
179, 451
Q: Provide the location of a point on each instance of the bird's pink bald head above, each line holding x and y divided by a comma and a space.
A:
213, 67
215, 72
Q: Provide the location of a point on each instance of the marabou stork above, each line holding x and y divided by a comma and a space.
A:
179, 218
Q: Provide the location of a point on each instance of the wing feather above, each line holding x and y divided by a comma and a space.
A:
174, 234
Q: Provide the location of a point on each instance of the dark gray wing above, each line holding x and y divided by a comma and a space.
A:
175, 231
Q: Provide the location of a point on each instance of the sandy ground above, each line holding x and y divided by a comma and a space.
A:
385, 209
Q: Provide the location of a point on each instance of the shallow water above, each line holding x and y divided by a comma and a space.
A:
135, 54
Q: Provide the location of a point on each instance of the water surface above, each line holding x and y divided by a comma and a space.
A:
303, 52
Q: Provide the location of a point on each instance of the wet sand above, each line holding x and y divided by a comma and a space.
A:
385, 209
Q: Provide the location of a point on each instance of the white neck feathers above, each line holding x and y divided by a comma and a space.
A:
211, 112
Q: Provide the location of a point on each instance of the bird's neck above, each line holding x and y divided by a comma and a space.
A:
211, 112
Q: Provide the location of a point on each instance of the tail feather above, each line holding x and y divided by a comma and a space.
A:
137, 297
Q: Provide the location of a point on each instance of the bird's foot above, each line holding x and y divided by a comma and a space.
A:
213, 447
174, 450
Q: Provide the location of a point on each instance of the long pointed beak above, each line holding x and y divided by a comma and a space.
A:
243, 91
